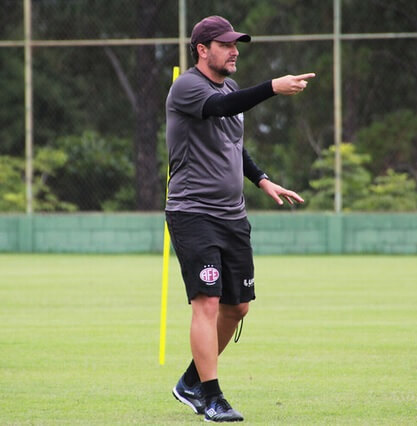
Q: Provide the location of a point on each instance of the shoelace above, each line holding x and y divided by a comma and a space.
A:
198, 391
224, 404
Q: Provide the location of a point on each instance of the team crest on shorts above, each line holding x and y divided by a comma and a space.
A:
209, 275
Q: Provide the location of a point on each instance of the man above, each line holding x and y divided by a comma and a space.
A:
205, 209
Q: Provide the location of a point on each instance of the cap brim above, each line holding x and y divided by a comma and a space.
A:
233, 36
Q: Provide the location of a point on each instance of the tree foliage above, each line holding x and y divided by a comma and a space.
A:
390, 191
355, 178
12, 182
392, 142
118, 93
98, 174
393, 192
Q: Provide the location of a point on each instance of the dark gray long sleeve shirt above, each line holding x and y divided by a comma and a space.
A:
206, 153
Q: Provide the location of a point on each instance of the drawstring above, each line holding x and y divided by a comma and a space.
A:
238, 331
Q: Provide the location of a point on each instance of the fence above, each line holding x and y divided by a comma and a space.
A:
272, 233
83, 86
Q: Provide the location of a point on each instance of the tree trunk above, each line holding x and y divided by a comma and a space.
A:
146, 127
146, 131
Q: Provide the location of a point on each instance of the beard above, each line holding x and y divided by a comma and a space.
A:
224, 72
220, 70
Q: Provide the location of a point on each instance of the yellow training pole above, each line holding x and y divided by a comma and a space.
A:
165, 269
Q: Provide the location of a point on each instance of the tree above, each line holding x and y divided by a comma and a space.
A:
146, 104
378, 78
12, 113
12, 182
391, 140
130, 78
119, 92
393, 192
388, 192
356, 179
98, 172
288, 133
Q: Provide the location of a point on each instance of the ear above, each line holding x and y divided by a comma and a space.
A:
202, 50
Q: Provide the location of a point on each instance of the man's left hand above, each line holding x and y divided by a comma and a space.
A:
276, 192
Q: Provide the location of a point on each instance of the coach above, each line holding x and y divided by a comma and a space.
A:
205, 210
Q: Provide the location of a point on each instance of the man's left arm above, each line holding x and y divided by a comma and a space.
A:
251, 170
260, 179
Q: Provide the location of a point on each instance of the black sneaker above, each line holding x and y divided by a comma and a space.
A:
191, 396
219, 410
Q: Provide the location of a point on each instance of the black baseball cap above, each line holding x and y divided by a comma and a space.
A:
218, 29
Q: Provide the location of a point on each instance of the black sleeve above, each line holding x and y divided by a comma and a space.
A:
250, 169
219, 105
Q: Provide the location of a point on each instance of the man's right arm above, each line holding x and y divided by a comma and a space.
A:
219, 105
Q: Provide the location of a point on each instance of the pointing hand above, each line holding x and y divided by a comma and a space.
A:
291, 84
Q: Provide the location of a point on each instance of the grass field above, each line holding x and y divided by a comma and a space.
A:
329, 341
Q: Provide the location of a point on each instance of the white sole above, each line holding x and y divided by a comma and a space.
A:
183, 400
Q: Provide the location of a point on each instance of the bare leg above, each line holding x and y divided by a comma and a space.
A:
212, 327
203, 336
227, 321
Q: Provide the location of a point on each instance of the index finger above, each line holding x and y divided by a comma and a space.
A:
295, 196
304, 76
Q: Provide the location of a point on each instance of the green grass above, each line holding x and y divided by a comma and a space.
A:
329, 341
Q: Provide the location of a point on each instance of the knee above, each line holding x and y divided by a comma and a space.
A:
235, 312
242, 310
205, 306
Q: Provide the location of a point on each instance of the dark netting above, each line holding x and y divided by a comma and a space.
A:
99, 111
269, 17
12, 110
97, 19
379, 16
11, 20
107, 127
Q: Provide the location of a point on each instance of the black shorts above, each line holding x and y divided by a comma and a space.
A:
215, 256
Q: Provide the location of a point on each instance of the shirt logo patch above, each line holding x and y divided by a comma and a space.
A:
209, 275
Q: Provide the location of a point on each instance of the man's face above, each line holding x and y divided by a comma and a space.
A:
222, 57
